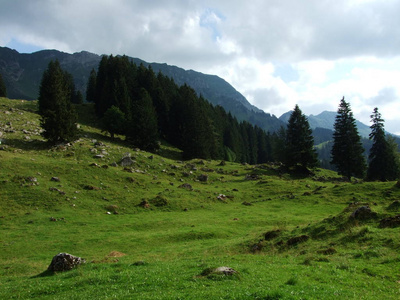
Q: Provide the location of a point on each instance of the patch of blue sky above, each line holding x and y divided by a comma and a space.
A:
286, 72
22, 47
210, 20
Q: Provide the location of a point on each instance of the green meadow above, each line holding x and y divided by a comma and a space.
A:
151, 230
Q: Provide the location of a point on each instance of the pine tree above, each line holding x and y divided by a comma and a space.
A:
142, 129
58, 117
91, 87
3, 90
299, 141
383, 163
347, 150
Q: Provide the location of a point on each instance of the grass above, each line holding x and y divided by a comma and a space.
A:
161, 251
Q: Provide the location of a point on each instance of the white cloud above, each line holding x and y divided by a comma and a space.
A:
276, 53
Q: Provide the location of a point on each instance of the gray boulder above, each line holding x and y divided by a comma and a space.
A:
64, 262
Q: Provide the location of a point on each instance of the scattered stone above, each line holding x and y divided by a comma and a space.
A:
221, 197
247, 203
363, 213
114, 164
64, 262
54, 189
91, 188
99, 144
151, 157
390, 222
252, 177
126, 161
56, 179
99, 156
186, 186
222, 163
104, 166
203, 177
235, 190
219, 271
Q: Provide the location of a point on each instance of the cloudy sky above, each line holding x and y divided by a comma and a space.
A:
277, 53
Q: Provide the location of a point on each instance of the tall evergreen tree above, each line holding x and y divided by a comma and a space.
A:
299, 141
142, 129
347, 151
91, 87
383, 164
58, 117
3, 90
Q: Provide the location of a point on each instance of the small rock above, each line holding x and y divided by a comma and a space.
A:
203, 177
64, 262
186, 186
56, 179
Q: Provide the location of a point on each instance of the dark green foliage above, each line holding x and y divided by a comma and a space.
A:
3, 90
78, 98
299, 141
155, 107
114, 121
142, 129
58, 117
347, 150
383, 162
91, 87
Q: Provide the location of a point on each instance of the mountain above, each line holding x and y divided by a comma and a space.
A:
325, 120
22, 74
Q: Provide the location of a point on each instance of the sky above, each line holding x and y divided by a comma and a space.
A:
277, 53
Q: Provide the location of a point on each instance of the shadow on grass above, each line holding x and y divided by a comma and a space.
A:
32, 145
46, 273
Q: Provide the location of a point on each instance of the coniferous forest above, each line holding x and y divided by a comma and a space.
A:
149, 109
153, 107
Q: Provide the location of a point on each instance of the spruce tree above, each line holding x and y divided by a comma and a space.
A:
58, 117
3, 90
347, 150
383, 163
91, 87
142, 129
299, 141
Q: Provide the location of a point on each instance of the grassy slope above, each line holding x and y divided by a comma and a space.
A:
193, 231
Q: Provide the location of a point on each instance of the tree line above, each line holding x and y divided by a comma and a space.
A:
153, 107
147, 108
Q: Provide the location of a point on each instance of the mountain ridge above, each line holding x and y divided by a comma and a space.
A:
22, 73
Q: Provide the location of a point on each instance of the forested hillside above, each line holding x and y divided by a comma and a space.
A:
22, 73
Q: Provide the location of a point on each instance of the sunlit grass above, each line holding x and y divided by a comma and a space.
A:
165, 248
